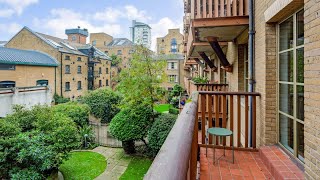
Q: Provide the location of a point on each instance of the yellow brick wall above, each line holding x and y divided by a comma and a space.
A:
74, 77
312, 86
102, 39
165, 42
26, 76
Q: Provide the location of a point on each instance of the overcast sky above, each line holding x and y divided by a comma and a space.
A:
110, 16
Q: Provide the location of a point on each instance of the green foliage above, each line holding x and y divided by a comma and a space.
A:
83, 165
79, 113
159, 131
175, 95
88, 131
115, 60
177, 90
174, 111
162, 108
25, 174
175, 101
132, 123
136, 169
103, 103
59, 99
34, 142
141, 81
200, 80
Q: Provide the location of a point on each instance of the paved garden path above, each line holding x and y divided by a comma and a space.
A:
117, 162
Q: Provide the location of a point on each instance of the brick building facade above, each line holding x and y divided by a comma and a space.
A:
73, 73
286, 72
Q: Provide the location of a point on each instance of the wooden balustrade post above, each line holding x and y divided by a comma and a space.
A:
216, 8
203, 117
224, 115
231, 119
210, 115
254, 114
246, 119
234, 7
239, 120
210, 8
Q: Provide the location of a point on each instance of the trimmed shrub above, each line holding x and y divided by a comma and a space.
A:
59, 99
79, 113
159, 131
132, 123
103, 103
174, 111
39, 141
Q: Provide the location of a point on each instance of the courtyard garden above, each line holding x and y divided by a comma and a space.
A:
36, 143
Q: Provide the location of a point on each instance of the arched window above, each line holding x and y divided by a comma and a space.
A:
42, 82
7, 84
174, 45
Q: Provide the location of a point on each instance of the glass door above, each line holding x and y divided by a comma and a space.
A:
291, 84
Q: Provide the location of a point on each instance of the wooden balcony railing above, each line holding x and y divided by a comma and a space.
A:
218, 8
177, 158
229, 110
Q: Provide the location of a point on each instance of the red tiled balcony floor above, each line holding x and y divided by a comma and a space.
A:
247, 165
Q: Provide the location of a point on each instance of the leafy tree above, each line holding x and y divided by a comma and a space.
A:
33, 143
115, 60
159, 131
103, 103
131, 124
79, 113
141, 81
175, 95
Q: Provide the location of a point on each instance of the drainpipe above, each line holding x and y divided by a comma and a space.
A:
251, 60
61, 75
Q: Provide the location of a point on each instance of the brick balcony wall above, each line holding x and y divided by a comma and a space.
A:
312, 86
265, 75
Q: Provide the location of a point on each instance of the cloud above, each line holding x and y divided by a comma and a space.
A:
129, 12
134, 14
6, 12
108, 15
10, 28
15, 6
61, 19
160, 29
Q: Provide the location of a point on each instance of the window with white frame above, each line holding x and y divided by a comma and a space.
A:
291, 84
173, 78
172, 65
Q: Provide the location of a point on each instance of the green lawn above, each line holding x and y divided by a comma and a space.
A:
83, 165
162, 107
137, 168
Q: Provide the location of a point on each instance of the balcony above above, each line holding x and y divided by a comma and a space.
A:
223, 19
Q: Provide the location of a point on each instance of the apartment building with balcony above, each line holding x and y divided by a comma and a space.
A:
261, 59
72, 75
141, 34
172, 43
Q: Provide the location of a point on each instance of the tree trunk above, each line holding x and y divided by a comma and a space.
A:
128, 147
